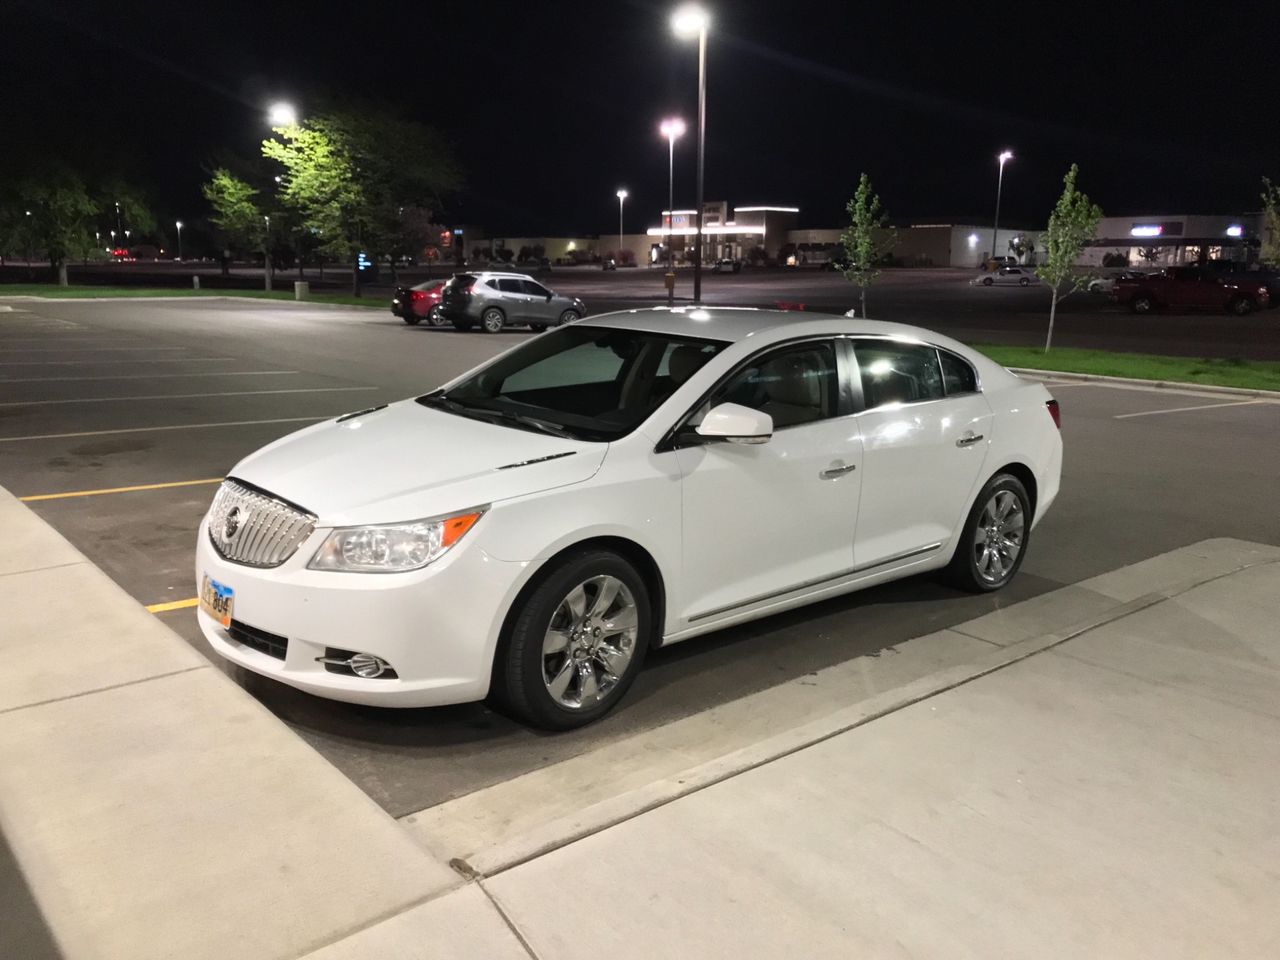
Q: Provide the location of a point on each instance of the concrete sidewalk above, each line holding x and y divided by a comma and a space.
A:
1099, 779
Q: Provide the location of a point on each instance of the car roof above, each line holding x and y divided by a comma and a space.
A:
498, 273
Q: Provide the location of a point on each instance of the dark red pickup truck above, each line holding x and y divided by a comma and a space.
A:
1192, 288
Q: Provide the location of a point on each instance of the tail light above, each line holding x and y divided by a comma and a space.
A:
1052, 407
417, 295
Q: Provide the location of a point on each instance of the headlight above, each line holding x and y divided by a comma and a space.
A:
393, 547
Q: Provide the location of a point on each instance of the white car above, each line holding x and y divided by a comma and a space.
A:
531, 529
1107, 284
1006, 277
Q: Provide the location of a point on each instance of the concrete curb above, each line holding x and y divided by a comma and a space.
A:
633, 803
1158, 384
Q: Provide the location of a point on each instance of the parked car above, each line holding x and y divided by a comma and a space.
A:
1105, 284
496, 300
1192, 288
1005, 277
414, 304
1247, 273
992, 264
530, 530
728, 265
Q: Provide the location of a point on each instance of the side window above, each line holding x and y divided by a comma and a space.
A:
957, 375
898, 372
509, 285
535, 289
794, 385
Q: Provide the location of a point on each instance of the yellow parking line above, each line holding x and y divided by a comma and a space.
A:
172, 605
97, 493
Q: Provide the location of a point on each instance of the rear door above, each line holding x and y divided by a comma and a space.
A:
925, 431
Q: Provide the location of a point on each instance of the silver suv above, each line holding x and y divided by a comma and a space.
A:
495, 300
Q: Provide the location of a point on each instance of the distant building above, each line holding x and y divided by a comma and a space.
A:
1174, 238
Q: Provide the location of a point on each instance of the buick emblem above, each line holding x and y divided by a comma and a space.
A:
232, 525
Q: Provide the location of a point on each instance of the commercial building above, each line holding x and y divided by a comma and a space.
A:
1170, 239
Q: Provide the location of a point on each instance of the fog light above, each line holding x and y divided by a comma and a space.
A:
367, 665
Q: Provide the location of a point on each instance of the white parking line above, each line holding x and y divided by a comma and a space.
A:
151, 376
1203, 406
185, 396
180, 426
86, 349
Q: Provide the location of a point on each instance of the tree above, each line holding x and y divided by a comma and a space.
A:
135, 212
1270, 253
236, 213
352, 191
1022, 246
867, 239
1073, 223
61, 218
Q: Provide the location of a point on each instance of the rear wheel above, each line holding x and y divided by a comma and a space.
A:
436, 317
1023, 282
576, 643
492, 320
569, 316
1141, 303
1241, 306
987, 281
994, 539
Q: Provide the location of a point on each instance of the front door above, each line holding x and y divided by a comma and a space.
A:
541, 307
762, 520
925, 438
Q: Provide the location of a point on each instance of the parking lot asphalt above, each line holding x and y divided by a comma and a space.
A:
101, 396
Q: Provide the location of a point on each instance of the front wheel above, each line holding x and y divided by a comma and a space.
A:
569, 316
994, 539
1242, 306
1141, 304
492, 320
437, 318
987, 281
1023, 282
576, 642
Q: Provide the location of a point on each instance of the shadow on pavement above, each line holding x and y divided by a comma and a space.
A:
23, 933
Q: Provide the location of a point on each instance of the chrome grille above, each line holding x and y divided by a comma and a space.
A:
254, 528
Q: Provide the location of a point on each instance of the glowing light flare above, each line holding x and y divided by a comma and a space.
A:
689, 21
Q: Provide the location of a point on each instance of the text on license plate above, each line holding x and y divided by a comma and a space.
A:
217, 599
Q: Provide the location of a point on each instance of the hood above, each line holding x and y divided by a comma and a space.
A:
406, 461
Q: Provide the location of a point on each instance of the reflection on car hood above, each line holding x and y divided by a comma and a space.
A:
406, 461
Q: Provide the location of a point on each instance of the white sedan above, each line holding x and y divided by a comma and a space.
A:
528, 531
1006, 277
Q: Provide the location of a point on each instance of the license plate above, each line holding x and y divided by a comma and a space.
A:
217, 600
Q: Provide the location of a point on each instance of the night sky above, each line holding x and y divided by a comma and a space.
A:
551, 106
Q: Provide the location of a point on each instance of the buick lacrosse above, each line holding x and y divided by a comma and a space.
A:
528, 531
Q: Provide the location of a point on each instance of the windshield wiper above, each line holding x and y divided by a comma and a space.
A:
495, 415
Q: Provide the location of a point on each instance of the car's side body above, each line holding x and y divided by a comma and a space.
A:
722, 532
1006, 276
417, 302
521, 300
1191, 287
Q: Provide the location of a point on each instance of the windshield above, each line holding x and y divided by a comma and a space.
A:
590, 383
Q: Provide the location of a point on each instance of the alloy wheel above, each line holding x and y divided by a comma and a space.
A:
492, 321
589, 642
998, 536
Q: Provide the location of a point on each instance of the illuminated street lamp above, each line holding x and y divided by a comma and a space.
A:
266, 253
178, 224
282, 114
691, 21
622, 195
995, 227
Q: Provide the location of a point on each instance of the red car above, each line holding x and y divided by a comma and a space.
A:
414, 304
1192, 288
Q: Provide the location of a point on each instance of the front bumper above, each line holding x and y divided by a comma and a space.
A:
437, 627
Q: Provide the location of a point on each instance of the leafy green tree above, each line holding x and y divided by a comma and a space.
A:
236, 212
1073, 223
60, 222
1270, 253
866, 240
352, 177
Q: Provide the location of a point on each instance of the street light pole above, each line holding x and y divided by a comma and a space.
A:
671, 129
622, 195
178, 223
995, 227
691, 20
266, 254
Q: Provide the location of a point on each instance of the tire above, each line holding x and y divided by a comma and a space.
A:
437, 318
413, 319
537, 327
975, 566
569, 316
566, 688
1241, 306
492, 320
1141, 303
987, 281
1023, 282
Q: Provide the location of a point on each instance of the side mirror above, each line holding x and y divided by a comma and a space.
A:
549, 296
736, 423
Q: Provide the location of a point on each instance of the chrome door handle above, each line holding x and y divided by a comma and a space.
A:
968, 440
832, 472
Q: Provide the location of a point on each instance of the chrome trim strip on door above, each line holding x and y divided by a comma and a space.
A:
816, 583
